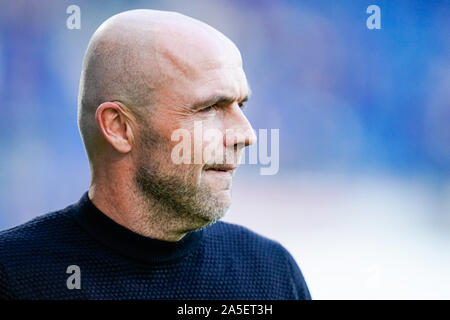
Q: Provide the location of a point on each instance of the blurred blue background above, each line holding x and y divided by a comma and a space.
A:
362, 197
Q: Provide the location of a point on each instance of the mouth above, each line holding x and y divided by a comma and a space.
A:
220, 175
221, 168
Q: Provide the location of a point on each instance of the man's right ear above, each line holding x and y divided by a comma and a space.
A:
115, 126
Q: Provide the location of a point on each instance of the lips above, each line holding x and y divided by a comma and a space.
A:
224, 167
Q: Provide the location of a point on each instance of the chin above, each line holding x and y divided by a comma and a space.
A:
216, 210
223, 196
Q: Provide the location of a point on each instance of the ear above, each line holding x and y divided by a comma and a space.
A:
114, 122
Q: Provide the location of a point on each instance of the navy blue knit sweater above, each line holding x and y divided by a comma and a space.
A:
222, 261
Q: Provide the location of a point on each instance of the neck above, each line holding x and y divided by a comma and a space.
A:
122, 202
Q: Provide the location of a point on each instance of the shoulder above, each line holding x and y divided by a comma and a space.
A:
35, 234
241, 239
258, 256
31, 253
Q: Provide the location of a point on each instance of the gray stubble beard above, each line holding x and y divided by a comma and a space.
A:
176, 197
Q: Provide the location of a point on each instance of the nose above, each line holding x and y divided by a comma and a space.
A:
238, 130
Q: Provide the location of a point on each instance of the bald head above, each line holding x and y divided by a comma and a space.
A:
137, 56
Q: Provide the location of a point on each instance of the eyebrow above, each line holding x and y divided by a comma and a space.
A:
215, 99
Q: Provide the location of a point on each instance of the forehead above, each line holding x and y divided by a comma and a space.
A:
200, 66
229, 83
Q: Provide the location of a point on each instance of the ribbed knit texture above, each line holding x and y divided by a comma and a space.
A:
222, 261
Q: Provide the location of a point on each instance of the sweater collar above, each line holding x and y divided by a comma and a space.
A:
129, 243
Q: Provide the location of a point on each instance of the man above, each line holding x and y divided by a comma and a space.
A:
147, 228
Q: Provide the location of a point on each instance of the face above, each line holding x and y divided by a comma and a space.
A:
208, 90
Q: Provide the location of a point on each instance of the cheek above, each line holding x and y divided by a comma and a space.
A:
194, 126
208, 141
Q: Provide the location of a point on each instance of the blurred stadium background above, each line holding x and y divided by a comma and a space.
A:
362, 197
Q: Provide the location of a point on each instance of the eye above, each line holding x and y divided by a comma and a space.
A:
208, 109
